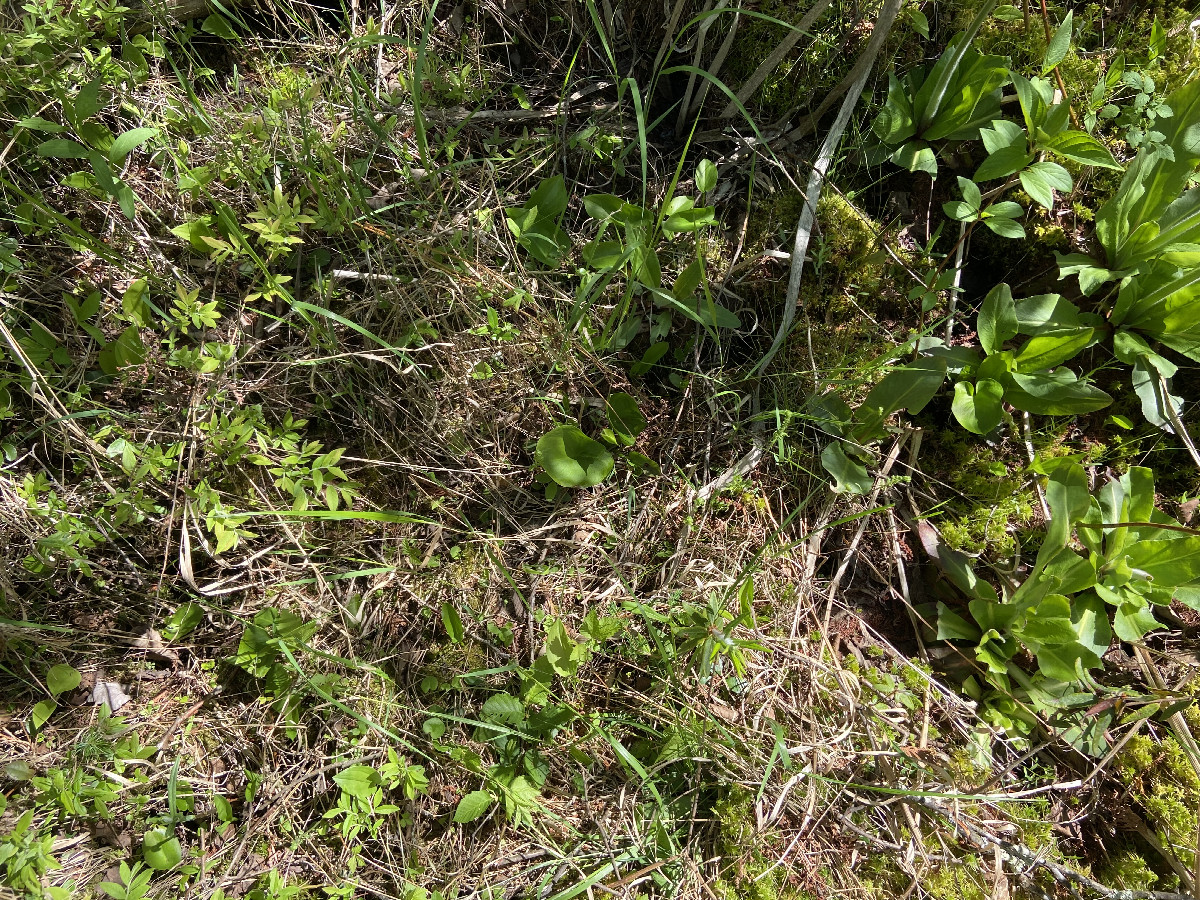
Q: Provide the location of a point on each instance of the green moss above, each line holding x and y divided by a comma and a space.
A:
749, 874
995, 499
1162, 780
1128, 871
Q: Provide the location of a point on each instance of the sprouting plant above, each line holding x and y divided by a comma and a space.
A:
134, 883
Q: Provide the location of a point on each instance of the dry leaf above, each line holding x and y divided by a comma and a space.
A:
152, 643
109, 692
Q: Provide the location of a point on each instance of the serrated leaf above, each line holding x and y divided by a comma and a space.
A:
472, 806
358, 781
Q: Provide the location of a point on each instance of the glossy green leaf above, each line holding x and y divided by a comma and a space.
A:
572, 458
849, 477
218, 25
997, 321
706, 176
1057, 393
1046, 351
1042, 179
978, 407
1080, 147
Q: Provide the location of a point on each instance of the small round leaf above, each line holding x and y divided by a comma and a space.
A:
62, 678
706, 175
572, 458
161, 850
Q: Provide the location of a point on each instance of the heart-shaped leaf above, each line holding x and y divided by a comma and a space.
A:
572, 458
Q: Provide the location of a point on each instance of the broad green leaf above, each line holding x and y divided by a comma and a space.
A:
1060, 43
1069, 499
183, 621
42, 711
915, 156
1170, 563
504, 709
603, 206
998, 320
849, 477
970, 192
1046, 351
690, 220
218, 25
1003, 162
128, 142
677, 205
623, 413
472, 806
1005, 227
978, 407
62, 148
358, 781
1080, 147
706, 176
37, 123
953, 627
86, 103
908, 387
1049, 623
563, 652
161, 849
1046, 313
1134, 620
1062, 662
1058, 393
452, 622
62, 678
572, 459
1090, 617
1042, 179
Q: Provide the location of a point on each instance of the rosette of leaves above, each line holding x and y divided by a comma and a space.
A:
1030, 376
1108, 561
1149, 281
959, 94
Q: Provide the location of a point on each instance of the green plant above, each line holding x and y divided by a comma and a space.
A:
957, 97
60, 679
571, 459
134, 883
26, 853
1133, 560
